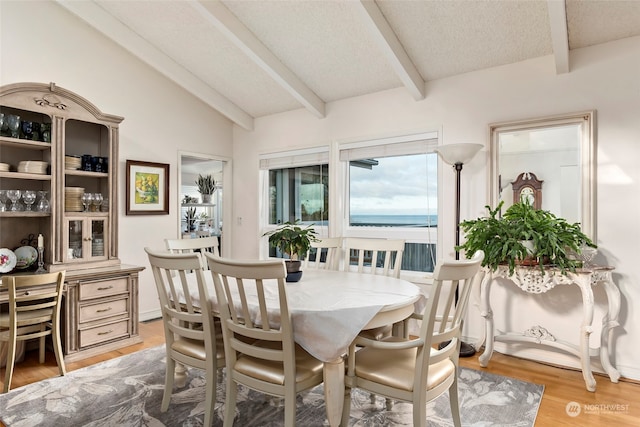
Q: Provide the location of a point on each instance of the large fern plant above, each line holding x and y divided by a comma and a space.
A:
503, 238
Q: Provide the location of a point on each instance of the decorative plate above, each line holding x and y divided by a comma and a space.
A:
26, 256
7, 260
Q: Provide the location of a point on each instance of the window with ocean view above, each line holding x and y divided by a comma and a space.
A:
397, 196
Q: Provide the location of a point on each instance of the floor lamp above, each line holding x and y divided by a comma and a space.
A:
457, 155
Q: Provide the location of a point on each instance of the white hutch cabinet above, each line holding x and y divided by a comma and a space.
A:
80, 145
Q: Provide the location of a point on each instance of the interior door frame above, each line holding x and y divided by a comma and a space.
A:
227, 185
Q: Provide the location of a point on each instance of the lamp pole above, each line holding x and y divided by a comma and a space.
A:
458, 168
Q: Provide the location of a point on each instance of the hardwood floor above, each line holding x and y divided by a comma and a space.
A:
611, 404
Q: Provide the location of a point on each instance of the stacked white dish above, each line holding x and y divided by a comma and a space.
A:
4, 167
97, 247
72, 162
33, 166
73, 199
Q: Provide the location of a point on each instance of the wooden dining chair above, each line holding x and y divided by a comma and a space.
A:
325, 253
34, 312
416, 370
191, 338
199, 245
373, 256
260, 355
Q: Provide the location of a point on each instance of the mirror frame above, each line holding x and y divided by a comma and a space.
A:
588, 161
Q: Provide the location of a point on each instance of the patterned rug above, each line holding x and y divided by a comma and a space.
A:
127, 391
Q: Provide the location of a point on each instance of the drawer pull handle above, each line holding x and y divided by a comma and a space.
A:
106, 288
103, 310
106, 332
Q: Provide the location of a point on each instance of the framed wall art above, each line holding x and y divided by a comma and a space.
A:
147, 188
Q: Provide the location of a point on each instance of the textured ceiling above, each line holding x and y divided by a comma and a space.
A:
249, 59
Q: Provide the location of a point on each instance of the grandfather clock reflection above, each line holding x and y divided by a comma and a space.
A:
527, 187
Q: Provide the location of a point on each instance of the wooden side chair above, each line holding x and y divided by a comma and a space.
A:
325, 252
374, 256
199, 245
260, 356
34, 312
191, 338
416, 370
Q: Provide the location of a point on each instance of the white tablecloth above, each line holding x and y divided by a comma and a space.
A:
330, 308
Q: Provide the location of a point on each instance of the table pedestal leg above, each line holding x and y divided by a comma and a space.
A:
487, 314
609, 321
585, 330
180, 375
334, 390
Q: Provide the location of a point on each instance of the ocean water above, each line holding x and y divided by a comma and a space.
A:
394, 220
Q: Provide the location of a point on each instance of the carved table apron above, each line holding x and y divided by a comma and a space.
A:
531, 280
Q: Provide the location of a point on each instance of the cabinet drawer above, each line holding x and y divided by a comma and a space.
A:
104, 309
103, 288
104, 333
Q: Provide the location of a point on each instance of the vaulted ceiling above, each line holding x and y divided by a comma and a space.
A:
249, 59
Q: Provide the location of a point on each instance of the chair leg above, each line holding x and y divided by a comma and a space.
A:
453, 401
43, 327
168, 383
210, 395
57, 349
290, 408
11, 359
230, 402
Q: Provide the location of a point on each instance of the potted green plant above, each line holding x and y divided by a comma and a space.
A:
206, 186
524, 235
294, 241
190, 218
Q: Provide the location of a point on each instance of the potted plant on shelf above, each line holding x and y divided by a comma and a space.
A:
524, 236
294, 241
190, 218
206, 186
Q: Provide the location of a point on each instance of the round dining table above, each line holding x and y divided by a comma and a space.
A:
329, 309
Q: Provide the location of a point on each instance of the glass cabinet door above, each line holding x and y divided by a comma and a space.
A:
86, 239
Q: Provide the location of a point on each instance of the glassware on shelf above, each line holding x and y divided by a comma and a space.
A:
13, 123
97, 201
29, 198
3, 200
27, 129
45, 132
14, 196
43, 204
87, 198
2, 122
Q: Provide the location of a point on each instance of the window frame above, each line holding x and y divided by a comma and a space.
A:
338, 222
431, 235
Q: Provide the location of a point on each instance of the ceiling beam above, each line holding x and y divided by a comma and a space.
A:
559, 34
112, 28
392, 48
227, 23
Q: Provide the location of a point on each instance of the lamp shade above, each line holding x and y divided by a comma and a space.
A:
458, 153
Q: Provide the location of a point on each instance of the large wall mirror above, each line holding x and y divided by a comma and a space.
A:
551, 161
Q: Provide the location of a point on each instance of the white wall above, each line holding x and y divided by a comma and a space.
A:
604, 78
42, 42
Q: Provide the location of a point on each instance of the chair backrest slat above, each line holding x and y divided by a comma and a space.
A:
246, 287
200, 245
39, 294
179, 277
326, 252
367, 252
447, 311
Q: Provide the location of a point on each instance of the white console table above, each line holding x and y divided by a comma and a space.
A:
532, 281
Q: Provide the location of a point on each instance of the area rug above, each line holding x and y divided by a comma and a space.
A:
127, 391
